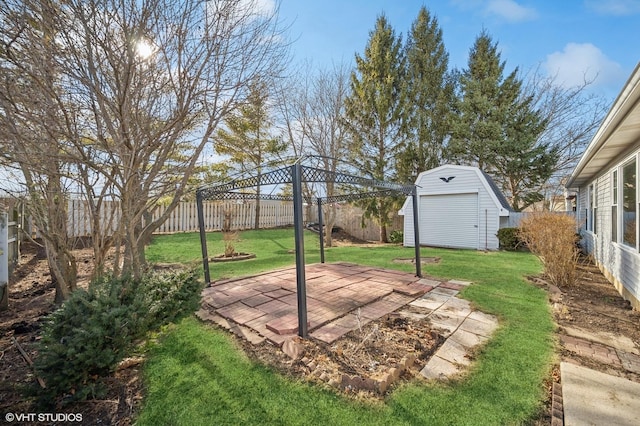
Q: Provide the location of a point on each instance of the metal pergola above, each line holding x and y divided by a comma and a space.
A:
295, 174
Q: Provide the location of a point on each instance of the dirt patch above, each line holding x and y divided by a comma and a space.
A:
594, 309
233, 258
367, 362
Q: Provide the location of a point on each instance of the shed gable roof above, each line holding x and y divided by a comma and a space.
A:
492, 189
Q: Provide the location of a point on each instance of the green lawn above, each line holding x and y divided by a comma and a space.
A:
196, 375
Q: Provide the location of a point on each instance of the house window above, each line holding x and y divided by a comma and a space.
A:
629, 223
614, 206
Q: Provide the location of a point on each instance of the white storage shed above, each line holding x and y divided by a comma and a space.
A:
458, 207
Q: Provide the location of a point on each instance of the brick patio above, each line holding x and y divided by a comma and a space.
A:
340, 298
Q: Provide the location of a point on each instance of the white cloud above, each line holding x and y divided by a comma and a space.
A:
578, 63
614, 7
511, 10
260, 7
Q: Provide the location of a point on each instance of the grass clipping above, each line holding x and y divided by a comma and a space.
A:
552, 237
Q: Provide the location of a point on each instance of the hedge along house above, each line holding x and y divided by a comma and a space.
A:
458, 207
606, 179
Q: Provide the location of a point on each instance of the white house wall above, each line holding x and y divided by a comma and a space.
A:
467, 180
620, 263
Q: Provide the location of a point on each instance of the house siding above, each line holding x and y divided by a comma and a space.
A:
620, 263
467, 180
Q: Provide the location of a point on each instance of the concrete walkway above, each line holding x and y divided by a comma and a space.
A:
590, 397
464, 329
594, 398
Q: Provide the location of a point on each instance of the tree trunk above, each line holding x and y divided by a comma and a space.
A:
383, 234
330, 221
256, 224
134, 256
64, 272
61, 262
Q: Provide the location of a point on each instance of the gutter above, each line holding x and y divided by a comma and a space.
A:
619, 110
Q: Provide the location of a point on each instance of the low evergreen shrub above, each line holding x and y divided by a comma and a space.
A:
508, 238
396, 237
93, 330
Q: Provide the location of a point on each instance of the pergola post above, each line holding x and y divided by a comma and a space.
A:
296, 177
416, 230
203, 238
321, 226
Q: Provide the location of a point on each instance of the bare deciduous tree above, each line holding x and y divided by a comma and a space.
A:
32, 129
572, 114
311, 109
144, 85
324, 129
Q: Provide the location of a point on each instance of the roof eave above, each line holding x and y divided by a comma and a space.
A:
627, 100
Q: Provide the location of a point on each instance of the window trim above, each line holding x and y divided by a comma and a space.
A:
633, 159
614, 205
592, 211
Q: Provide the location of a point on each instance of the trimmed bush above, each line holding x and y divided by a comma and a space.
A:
95, 329
508, 238
552, 237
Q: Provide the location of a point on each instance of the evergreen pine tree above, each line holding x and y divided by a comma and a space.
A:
497, 128
247, 139
375, 113
486, 96
522, 164
430, 90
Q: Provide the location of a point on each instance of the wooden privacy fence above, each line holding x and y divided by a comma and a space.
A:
349, 218
184, 218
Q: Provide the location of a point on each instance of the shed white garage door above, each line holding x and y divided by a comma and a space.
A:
449, 220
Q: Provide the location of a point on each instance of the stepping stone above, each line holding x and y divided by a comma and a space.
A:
453, 352
430, 301
478, 327
447, 323
455, 307
590, 397
463, 283
630, 362
444, 291
438, 368
428, 282
482, 317
467, 339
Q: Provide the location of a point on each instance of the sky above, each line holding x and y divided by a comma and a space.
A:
564, 38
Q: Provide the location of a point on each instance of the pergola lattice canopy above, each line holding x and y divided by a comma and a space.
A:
295, 174
285, 175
